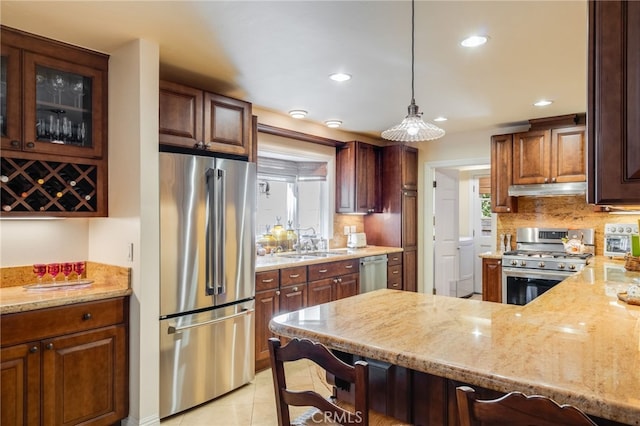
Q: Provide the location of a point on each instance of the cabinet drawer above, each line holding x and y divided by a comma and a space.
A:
296, 275
267, 280
43, 323
333, 269
394, 259
394, 277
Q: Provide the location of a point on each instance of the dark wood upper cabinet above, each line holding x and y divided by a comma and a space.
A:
190, 118
357, 178
502, 174
56, 98
53, 127
613, 114
549, 156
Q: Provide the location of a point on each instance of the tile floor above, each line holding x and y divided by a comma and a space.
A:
253, 404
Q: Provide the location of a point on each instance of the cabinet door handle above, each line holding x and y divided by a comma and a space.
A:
31, 145
33, 349
553, 180
277, 292
395, 272
322, 271
508, 209
339, 280
49, 346
295, 289
546, 180
335, 280
87, 316
394, 285
348, 266
270, 280
294, 275
15, 143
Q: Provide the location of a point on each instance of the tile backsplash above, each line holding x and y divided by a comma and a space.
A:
559, 212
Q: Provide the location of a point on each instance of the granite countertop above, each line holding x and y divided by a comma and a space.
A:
577, 343
108, 282
491, 255
280, 260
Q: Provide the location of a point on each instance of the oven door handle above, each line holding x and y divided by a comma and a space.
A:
529, 273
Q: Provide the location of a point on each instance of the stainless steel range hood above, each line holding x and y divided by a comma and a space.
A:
548, 189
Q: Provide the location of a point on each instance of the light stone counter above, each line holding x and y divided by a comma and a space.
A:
577, 343
108, 282
491, 255
280, 261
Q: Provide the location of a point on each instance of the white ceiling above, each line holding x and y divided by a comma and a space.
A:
278, 54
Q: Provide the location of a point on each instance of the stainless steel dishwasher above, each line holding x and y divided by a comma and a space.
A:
373, 273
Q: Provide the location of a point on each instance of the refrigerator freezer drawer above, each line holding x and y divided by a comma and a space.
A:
205, 355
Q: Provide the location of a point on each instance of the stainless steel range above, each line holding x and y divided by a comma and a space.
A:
541, 261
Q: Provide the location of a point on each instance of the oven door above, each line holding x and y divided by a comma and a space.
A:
521, 286
617, 245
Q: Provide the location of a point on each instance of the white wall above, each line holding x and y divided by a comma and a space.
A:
134, 213
28, 241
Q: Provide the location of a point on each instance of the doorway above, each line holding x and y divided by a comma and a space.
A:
470, 222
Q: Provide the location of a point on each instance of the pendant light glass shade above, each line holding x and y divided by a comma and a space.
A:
413, 128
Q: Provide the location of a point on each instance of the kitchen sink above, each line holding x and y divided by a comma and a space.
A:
312, 255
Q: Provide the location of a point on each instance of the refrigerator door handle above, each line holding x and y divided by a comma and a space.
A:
212, 229
172, 329
221, 234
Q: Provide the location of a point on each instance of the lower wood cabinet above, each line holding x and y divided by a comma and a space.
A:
394, 271
492, 280
66, 365
291, 289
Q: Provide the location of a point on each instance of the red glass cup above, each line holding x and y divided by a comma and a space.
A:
67, 268
54, 270
79, 267
40, 269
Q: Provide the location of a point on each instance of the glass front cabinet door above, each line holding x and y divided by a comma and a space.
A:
62, 106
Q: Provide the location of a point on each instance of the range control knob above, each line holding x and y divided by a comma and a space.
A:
514, 262
620, 229
628, 229
541, 264
523, 263
572, 266
561, 265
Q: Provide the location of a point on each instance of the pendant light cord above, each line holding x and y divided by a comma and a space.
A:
413, 48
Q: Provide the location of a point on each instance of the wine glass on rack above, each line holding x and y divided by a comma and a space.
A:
79, 268
78, 89
40, 269
54, 270
58, 83
67, 269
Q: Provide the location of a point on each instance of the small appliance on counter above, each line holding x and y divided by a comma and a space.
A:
617, 238
357, 240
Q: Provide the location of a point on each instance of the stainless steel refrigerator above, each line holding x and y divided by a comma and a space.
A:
207, 215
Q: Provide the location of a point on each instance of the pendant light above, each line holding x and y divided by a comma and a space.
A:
413, 128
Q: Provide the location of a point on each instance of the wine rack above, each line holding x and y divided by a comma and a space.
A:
48, 186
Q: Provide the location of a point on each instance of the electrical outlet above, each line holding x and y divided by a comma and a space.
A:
130, 252
353, 229
346, 230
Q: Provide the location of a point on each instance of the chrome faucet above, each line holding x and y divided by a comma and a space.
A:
299, 246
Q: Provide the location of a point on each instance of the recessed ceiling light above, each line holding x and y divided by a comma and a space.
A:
543, 102
474, 41
333, 123
440, 119
298, 113
339, 76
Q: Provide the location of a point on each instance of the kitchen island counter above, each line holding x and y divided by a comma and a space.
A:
577, 343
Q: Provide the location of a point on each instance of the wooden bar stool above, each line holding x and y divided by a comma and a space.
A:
326, 410
516, 409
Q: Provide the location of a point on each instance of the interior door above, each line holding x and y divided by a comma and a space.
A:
446, 200
482, 234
